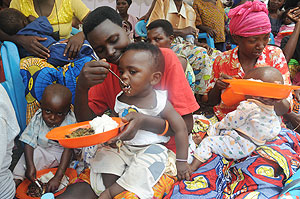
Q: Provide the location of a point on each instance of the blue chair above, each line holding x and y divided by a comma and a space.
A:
13, 83
141, 29
272, 40
74, 31
209, 40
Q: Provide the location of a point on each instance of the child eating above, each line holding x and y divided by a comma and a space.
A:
252, 124
139, 163
39, 152
12, 22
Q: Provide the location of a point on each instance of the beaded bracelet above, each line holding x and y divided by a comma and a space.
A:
166, 128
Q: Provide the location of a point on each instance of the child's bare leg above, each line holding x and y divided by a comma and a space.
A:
78, 190
195, 164
111, 192
109, 179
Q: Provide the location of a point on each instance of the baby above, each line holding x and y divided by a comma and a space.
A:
12, 22
252, 124
39, 152
140, 162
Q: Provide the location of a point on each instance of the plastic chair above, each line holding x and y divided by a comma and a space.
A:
272, 40
141, 29
209, 40
74, 31
13, 83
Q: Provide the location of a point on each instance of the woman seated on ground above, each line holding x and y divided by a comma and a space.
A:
252, 51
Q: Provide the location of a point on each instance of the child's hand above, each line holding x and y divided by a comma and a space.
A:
30, 173
183, 170
53, 184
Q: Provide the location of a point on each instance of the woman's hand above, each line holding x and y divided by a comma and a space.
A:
187, 31
30, 173
74, 45
294, 14
53, 184
32, 45
183, 171
92, 73
206, 46
220, 84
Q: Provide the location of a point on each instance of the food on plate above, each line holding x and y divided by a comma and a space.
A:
98, 125
80, 132
35, 191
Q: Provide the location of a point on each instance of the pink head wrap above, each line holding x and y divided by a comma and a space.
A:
249, 19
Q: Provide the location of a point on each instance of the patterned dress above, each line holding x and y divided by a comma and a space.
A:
211, 15
200, 61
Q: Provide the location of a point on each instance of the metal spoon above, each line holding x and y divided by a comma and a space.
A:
38, 184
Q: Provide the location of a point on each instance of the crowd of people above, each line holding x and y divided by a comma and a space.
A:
167, 78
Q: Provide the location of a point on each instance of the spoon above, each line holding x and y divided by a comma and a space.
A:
112, 72
38, 184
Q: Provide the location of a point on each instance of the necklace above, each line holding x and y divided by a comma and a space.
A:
55, 34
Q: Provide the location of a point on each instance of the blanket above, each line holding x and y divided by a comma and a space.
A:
261, 175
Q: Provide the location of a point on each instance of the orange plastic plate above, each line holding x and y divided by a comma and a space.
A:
84, 141
21, 191
230, 98
262, 89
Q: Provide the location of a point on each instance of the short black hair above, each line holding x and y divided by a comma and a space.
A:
164, 24
158, 58
99, 15
11, 20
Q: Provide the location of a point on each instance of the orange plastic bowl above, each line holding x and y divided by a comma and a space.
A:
230, 98
84, 141
21, 191
262, 89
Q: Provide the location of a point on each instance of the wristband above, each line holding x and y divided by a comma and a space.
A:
166, 128
181, 160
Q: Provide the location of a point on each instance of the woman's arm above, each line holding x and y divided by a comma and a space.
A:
92, 73
290, 47
214, 95
30, 43
74, 43
147, 15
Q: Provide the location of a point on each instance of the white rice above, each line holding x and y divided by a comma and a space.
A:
103, 123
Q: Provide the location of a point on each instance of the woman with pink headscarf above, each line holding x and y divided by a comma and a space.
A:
250, 28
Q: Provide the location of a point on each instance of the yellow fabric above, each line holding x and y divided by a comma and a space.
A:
66, 10
166, 9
